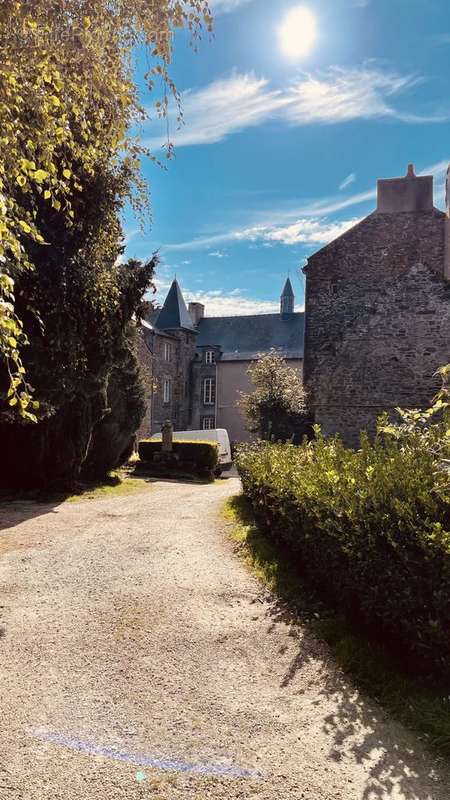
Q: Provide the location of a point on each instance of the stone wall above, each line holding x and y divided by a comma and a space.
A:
377, 320
178, 371
144, 354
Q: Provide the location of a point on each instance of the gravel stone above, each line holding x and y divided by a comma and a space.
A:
133, 664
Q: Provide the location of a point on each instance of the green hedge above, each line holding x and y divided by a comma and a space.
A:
370, 529
190, 455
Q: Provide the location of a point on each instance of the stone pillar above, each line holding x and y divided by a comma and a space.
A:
167, 436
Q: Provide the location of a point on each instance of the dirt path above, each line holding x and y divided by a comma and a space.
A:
139, 659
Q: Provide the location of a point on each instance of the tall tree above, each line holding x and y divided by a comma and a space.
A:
67, 166
67, 100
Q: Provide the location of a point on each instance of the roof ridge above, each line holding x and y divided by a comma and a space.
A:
248, 316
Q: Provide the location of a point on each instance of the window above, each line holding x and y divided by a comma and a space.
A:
210, 357
166, 391
209, 391
167, 351
209, 423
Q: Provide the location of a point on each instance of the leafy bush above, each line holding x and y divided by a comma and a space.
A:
194, 456
276, 409
371, 528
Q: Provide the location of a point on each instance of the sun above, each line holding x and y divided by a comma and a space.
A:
298, 32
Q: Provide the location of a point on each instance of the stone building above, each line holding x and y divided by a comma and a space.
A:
378, 311
226, 347
199, 363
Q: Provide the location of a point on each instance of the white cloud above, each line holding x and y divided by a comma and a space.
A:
310, 231
223, 107
347, 181
218, 302
218, 254
225, 6
302, 231
308, 223
342, 95
231, 304
242, 101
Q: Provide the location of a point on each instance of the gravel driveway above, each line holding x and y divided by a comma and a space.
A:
139, 659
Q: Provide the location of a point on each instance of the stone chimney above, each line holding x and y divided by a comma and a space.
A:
447, 227
405, 195
197, 312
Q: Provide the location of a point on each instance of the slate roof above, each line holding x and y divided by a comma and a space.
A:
174, 313
242, 338
288, 290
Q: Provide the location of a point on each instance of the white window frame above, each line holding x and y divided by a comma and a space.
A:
209, 423
167, 351
209, 391
167, 391
210, 357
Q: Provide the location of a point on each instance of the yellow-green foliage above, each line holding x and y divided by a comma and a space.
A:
371, 528
67, 99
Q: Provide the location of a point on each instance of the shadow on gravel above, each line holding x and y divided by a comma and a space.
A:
20, 507
358, 724
13, 512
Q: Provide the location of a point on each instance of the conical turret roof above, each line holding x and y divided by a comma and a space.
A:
288, 290
174, 313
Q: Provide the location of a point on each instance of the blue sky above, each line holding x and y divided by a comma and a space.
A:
280, 155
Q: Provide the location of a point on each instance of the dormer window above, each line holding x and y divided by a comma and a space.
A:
210, 357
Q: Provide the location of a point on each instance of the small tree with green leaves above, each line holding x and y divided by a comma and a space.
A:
277, 408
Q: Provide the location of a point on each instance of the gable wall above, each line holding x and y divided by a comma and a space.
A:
377, 321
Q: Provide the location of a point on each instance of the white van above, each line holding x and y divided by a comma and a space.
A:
219, 435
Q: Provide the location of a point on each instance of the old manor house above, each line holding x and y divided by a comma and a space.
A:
376, 327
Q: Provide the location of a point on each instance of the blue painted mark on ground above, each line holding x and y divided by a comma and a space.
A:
140, 759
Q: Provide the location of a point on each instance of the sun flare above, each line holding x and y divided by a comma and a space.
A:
298, 32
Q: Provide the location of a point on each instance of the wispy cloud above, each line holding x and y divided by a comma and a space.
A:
218, 254
309, 223
225, 6
343, 95
336, 96
302, 231
225, 107
347, 181
230, 304
218, 302
310, 231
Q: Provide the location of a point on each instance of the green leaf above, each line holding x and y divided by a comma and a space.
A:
40, 175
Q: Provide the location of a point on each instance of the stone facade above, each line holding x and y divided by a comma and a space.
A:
169, 391
378, 312
198, 363
145, 357
204, 403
